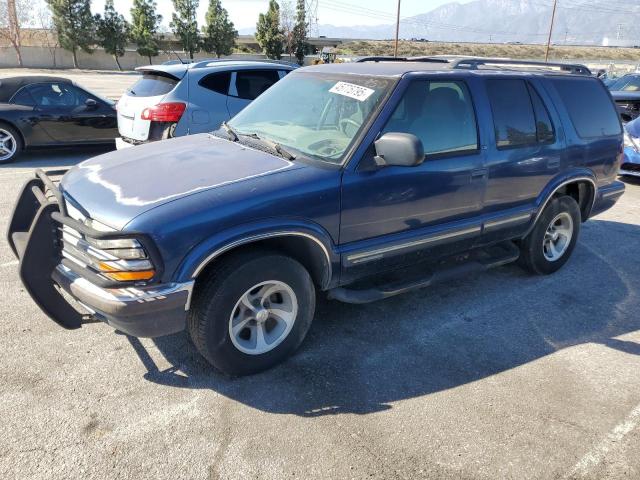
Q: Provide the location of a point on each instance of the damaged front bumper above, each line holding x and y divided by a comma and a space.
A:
34, 236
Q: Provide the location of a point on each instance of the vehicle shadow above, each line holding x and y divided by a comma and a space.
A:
46, 159
359, 359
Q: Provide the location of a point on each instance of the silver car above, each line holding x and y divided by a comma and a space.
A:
183, 99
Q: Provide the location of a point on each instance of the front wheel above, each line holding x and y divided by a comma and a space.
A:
550, 244
252, 312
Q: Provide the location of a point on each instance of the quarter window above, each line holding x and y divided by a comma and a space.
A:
440, 114
544, 127
251, 83
23, 97
217, 82
591, 110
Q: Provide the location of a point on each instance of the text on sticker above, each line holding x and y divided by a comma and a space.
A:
352, 91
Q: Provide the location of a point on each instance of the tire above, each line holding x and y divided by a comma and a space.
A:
10, 143
539, 252
218, 310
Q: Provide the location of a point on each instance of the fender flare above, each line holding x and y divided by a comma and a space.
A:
211, 248
556, 184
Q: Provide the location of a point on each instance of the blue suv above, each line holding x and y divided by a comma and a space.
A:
362, 180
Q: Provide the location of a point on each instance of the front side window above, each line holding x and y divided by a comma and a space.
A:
57, 95
440, 114
252, 83
317, 114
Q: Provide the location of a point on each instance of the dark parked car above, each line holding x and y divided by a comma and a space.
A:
51, 112
363, 180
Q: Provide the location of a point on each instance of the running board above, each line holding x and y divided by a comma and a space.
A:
421, 276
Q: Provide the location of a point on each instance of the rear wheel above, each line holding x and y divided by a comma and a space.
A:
551, 242
10, 143
252, 312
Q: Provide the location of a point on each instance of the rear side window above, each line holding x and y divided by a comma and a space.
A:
217, 82
544, 127
152, 85
251, 83
590, 108
513, 118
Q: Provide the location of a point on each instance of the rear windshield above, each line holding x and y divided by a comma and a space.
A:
591, 110
152, 85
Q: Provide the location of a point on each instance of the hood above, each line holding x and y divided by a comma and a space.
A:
117, 187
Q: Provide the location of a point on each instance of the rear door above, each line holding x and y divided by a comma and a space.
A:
247, 85
524, 152
150, 90
208, 101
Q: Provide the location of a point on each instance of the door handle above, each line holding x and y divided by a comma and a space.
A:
479, 174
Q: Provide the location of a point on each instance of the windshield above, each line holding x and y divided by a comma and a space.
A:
628, 83
316, 114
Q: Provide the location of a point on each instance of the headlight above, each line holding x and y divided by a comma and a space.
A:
120, 259
632, 142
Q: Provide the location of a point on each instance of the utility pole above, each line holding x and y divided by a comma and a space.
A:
395, 50
553, 17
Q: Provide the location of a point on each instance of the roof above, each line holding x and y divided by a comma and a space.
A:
10, 85
178, 70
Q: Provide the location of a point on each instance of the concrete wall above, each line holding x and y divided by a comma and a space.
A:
41, 57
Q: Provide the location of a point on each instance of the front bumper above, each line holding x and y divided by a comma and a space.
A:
146, 311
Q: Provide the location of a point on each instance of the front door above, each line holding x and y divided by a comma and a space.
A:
392, 214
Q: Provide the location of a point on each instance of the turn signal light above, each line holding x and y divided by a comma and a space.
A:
125, 276
164, 112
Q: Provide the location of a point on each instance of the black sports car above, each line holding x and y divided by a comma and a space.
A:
51, 111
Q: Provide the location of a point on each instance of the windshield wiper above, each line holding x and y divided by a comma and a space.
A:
232, 133
279, 149
132, 92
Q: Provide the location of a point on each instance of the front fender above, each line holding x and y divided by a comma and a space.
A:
211, 248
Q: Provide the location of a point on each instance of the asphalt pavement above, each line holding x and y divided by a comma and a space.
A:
501, 375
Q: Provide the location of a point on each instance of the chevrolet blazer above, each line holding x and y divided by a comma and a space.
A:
362, 180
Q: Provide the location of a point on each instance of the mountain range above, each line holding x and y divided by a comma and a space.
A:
588, 22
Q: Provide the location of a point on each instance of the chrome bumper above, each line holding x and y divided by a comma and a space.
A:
138, 311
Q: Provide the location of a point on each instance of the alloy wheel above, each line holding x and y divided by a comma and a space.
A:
263, 317
8, 145
557, 237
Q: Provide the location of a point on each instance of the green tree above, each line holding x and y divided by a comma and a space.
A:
74, 22
268, 32
219, 32
144, 27
113, 32
300, 31
185, 25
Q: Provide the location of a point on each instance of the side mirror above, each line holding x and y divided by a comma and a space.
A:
399, 149
91, 104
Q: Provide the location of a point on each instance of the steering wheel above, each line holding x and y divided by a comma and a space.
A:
345, 122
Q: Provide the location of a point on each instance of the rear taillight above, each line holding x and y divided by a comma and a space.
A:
164, 112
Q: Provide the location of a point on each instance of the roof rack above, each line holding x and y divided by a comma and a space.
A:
474, 63
401, 59
208, 62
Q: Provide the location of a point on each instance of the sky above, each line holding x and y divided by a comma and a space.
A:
244, 13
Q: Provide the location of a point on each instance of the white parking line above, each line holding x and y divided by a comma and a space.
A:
598, 454
8, 264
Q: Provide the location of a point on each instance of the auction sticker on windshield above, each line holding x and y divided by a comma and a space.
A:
352, 91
